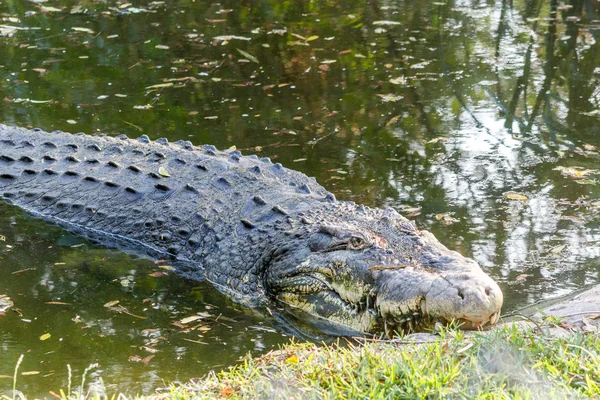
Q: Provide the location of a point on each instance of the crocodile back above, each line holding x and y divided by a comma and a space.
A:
159, 197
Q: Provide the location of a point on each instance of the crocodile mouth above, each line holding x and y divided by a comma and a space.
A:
315, 283
418, 320
410, 299
363, 309
351, 310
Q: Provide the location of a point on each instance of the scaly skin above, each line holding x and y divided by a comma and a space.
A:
259, 232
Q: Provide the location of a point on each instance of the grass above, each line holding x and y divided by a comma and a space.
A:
507, 363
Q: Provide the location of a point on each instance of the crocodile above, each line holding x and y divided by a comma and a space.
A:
263, 234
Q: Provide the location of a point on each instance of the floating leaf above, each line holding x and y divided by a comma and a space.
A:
393, 121
207, 315
166, 267
558, 249
311, 38
160, 85
227, 38
420, 65
386, 23
191, 319
45, 336
18, 100
390, 97
162, 171
516, 196
7, 30
5, 303
111, 303
437, 139
27, 373
248, 56
401, 80
591, 113
410, 211
150, 350
446, 218
146, 360
79, 29
161, 47
298, 36
138, 359
575, 172
125, 282
586, 182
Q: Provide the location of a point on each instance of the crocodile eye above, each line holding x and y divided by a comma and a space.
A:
356, 243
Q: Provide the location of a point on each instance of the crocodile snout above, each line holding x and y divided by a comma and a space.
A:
472, 298
469, 297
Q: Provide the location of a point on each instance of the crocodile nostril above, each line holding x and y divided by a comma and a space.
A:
488, 290
461, 294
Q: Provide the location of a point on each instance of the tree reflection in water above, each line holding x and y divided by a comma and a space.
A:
456, 113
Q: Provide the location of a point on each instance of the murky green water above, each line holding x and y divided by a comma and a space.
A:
480, 120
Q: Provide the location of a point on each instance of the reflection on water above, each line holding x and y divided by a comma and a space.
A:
480, 120
141, 323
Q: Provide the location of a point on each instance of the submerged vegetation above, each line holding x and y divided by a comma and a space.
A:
509, 362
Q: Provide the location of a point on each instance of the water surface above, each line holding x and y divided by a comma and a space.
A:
479, 120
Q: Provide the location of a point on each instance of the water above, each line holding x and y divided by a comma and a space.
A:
479, 120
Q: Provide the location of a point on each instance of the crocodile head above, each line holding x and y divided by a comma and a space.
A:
371, 271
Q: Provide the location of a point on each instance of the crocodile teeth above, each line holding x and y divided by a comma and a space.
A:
424, 306
494, 317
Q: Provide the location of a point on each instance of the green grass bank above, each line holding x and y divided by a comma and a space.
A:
510, 362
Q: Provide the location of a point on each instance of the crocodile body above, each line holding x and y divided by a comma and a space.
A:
258, 231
